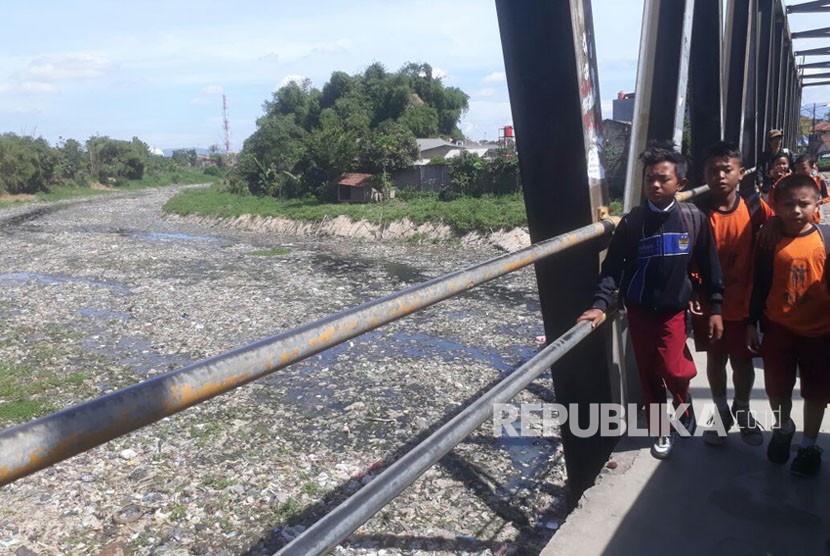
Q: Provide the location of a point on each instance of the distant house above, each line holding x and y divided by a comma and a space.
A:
354, 188
434, 148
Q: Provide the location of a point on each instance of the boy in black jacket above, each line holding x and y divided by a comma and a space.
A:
648, 263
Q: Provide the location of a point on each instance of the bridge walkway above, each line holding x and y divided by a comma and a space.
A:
727, 500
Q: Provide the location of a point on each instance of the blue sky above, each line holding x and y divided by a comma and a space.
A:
157, 70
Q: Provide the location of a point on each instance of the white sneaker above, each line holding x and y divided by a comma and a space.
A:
661, 449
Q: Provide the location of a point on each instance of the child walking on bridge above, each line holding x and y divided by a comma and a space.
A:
648, 265
791, 301
735, 223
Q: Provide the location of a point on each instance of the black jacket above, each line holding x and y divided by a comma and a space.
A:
649, 259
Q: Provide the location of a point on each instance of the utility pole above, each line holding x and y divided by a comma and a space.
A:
225, 124
813, 129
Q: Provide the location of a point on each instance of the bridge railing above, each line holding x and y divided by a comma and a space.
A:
37, 444
337, 525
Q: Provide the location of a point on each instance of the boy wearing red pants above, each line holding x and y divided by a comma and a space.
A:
790, 299
734, 223
648, 262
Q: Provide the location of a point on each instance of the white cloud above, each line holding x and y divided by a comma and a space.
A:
485, 118
486, 92
293, 78
212, 90
67, 68
37, 87
438, 73
495, 77
202, 101
29, 88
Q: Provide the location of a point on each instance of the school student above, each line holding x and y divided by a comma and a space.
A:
648, 262
791, 302
734, 223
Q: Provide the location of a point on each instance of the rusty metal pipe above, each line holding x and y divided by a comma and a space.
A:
37, 444
356, 510
683, 196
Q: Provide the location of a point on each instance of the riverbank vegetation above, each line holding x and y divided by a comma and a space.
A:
31, 169
486, 213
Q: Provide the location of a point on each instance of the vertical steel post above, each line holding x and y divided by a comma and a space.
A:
762, 83
774, 80
749, 129
736, 76
662, 73
705, 99
784, 98
551, 76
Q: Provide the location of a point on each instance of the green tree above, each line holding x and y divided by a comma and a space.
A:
185, 157
390, 147
116, 160
308, 137
71, 159
27, 165
273, 149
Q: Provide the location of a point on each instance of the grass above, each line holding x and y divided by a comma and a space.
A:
272, 252
72, 191
482, 214
21, 387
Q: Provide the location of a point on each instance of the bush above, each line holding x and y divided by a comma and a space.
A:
473, 176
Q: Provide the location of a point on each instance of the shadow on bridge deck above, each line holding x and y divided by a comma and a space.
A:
726, 500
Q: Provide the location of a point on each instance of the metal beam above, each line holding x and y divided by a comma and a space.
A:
762, 84
823, 51
816, 75
774, 79
705, 81
817, 83
735, 68
807, 7
662, 74
822, 33
554, 97
815, 65
749, 137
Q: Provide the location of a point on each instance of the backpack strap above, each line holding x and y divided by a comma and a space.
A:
756, 215
824, 230
693, 221
635, 228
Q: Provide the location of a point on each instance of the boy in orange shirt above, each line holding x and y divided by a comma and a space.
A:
734, 222
805, 164
790, 298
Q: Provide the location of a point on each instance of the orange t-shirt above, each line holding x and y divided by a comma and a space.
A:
732, 232
798, 297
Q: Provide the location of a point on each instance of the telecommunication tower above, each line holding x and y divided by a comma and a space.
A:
225, 124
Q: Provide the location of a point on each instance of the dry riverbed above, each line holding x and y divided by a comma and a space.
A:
99, 294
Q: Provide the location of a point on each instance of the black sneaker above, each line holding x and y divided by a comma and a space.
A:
712, 436
778, 449
807, 462
750, 429
688, 419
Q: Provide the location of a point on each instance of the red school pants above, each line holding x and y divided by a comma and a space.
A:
663, 359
